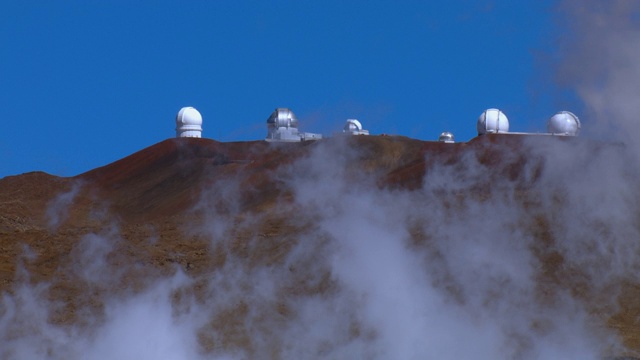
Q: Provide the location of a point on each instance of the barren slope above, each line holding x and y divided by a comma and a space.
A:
200, 206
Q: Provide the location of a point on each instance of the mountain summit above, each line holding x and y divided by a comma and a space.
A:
508, 246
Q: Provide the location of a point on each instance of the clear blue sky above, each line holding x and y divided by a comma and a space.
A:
85, 83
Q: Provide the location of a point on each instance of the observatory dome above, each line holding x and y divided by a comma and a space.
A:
282, 118
188, 123
447, 137
282, 126
354, 127
492, 121
564, 123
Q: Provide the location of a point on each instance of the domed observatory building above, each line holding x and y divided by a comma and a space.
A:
564, 123
492, 121
354, 127
188, 123
447, 137
282, 126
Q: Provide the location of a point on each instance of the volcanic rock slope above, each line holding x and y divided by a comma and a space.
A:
269, 240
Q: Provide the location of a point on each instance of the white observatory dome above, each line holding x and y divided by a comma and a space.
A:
447, 137
564, 123
352, 125
282, 118
188, 123
492, 121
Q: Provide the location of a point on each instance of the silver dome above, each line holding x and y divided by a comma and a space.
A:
446, 137
282, 118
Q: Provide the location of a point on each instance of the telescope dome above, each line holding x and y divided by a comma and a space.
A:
446, 137
354, 127
282, 118
564, 123
492, 121
188, 123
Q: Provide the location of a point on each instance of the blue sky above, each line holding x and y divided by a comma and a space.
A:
85, 83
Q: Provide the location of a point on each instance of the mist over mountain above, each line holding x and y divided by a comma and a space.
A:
508, 246
376, 247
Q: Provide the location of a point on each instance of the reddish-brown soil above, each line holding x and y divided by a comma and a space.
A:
154, 192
